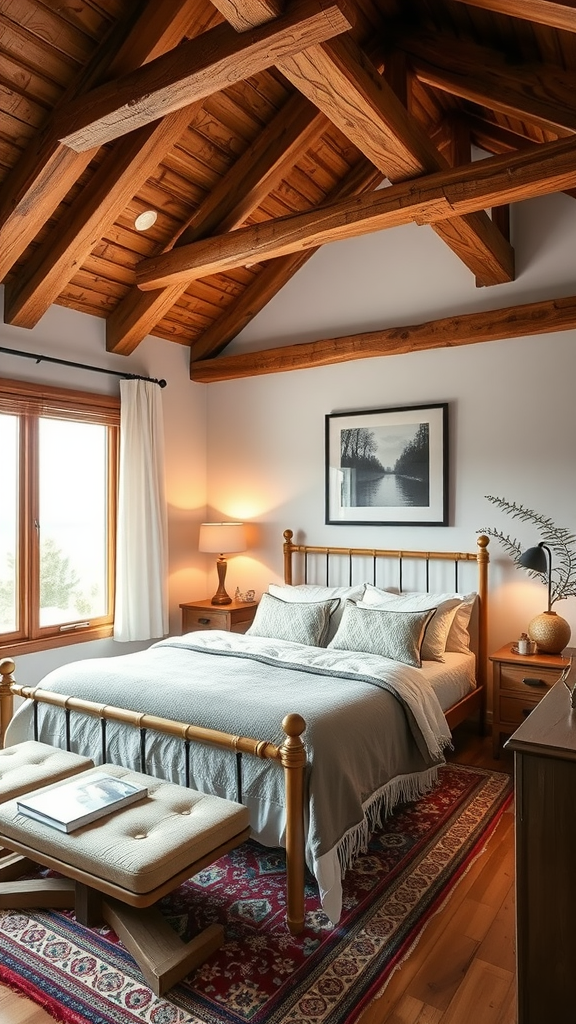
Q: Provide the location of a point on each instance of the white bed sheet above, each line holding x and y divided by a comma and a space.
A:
452, 679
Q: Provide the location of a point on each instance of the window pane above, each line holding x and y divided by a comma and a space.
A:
8, 522
73, 521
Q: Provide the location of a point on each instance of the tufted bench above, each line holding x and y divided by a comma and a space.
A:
121, 864
27, 766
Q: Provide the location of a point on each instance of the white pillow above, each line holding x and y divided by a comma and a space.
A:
437, 632
459, 636
303, 622
390, 634
312, 592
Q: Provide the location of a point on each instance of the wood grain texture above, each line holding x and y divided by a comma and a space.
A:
193, 70
238, 193
543, 12
544, 94
468, 329
495, 181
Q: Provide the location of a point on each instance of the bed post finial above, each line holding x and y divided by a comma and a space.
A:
288, 534
293, 758
483, 559
7, 667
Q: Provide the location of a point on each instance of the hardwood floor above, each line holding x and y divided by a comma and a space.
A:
462, 969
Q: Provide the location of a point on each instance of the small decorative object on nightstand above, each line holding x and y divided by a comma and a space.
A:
519, 683
235, 617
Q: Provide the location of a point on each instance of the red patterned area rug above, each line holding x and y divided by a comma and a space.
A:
262, 974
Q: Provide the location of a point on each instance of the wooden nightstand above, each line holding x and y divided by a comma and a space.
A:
235, 617
519, 683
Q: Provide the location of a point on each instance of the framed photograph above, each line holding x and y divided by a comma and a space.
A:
388, 467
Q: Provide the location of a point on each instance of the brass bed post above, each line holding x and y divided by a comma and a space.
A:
293, 759
483, 559
6, 697
288, 548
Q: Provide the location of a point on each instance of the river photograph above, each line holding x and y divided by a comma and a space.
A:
385, 466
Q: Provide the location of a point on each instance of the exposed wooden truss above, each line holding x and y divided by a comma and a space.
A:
259, 131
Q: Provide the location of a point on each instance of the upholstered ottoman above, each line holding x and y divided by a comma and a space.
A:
27, 766
124, 862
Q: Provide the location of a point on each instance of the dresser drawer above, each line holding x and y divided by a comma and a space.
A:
512, 678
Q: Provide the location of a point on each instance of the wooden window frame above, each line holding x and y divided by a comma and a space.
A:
30, 402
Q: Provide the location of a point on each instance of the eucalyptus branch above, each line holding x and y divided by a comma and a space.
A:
558, 538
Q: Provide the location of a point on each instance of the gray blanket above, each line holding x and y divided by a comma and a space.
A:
369, 722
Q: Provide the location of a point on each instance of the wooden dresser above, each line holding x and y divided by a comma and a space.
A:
545, 792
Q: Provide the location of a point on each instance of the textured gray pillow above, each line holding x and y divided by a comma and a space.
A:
395, 635
305, 623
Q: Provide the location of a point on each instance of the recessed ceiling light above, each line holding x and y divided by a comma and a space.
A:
145, 220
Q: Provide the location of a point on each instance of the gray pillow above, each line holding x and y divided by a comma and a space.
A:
305, 623
395, 635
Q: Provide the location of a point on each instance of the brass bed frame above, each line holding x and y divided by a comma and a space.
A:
291, 754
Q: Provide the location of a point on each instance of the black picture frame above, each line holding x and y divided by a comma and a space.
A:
388, 467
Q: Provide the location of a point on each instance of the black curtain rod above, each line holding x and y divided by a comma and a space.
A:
83, 366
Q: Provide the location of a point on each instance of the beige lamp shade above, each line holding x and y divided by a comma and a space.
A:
220, 539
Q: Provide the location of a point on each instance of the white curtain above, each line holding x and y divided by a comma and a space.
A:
141, 609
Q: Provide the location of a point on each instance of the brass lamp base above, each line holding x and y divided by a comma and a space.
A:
550, 631
221, 597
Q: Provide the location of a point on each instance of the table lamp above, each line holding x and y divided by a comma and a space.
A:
550, 631
218, 538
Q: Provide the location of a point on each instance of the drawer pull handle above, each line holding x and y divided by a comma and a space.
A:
529, 681
203, 622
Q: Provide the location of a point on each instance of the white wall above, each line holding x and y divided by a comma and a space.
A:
66, 334
512, 407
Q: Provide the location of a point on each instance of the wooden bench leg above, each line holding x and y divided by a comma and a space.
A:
26, 893
88, 905
159, 952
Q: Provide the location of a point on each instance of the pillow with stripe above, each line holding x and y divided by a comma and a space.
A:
305, 622
391, 634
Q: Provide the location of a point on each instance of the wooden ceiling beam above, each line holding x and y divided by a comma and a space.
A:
542, 12
124, 170
364, 177
197, 68
538, 170
258, 171
341, 80
48, 170
449, 332
542, 94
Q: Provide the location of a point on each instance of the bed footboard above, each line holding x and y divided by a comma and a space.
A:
290, 755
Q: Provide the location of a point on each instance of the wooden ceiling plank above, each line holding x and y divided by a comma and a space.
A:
125, 169
195, 69
543, 12
47, 170
538, 170
259, 170
542, 94
275, 274
543, 317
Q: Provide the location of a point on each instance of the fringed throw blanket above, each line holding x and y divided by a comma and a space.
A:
375, 731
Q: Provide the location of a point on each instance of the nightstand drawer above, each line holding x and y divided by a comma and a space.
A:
513, 711
205, 620
512, 678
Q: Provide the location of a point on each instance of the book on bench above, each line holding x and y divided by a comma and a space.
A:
83, 799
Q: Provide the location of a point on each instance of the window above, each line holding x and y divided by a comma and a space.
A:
58, 465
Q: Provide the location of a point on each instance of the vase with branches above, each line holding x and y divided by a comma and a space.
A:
550, 631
